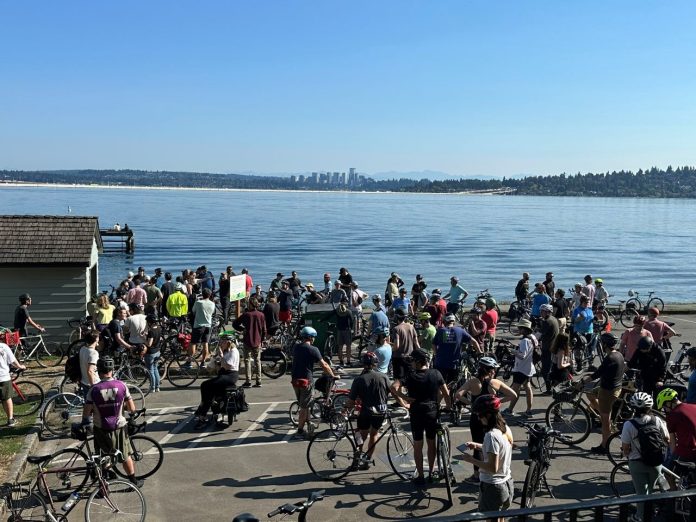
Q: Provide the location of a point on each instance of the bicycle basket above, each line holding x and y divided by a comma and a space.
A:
564, 392
10, 338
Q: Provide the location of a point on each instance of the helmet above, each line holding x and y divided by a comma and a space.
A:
369, 359
308, 331
631, 293
488, 362
640, 400
105, 365
375, 297
666, 395
645, 342
486, 404
419, 356
450, 318
227, 335
476, 310
598, 280
691, 352
546, 308
490, 303
424, 316
24, 298
454, 279
639, 319
608, 340
653, 310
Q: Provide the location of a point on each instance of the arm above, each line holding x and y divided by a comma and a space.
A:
508, 393
403, 399
122, 342
327, 369
445, 393
492, 465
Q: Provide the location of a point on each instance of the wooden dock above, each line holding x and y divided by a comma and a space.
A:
123, 240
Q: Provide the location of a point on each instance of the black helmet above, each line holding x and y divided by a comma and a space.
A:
24, 298
645, 343
486, 404
151, 318
608, 339
105, 365
419, 356
369, 359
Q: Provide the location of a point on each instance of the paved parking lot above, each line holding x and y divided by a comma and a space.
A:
255, 466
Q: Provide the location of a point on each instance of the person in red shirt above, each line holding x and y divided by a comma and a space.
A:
681, 424
249, 282
490, 317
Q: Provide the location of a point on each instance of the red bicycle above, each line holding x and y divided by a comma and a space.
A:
28, 395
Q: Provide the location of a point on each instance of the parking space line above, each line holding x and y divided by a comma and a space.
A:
176, 430
253, 425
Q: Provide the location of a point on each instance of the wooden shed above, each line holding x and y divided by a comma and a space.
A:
55, 259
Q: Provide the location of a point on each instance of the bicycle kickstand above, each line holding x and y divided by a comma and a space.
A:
549, 488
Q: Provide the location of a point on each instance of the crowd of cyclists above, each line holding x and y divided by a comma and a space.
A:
420, 342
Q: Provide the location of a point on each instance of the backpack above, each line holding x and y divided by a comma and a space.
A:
72, 368
536, 351
651, 438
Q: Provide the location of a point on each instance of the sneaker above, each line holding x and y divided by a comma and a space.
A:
599, 450
257, 385
419, 482
200, 424
246, 384
300, 435
364, 465
527, 413
11, 422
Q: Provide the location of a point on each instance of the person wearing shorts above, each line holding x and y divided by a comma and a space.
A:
372, 389
523, 369
424, 385
7, 361
203, 311
404, 342
285, 298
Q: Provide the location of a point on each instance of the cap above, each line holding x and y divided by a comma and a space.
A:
280, 274
450, 318
309, 285
546, 308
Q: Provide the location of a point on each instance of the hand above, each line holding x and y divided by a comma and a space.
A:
473, 445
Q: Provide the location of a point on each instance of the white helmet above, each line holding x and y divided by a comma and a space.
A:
640, 400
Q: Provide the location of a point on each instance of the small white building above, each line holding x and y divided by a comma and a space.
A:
55, 259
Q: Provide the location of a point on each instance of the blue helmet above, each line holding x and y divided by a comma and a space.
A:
308, 331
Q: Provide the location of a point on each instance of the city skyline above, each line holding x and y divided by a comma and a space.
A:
470, 89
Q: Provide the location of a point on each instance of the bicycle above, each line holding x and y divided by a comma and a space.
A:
29, 396
80, 328
541, 444
301, 507
34, 346
37, 501
443, 453
333, 453
634, 306
678, 366
323, 407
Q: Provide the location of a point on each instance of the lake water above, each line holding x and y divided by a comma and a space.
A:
488, 241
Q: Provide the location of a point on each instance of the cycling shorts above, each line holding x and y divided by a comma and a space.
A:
367, 420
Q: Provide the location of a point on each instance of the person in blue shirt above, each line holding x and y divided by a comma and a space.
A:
691, 391
447, 346
402, 302
582, 317
456, 295
379, 322
383, 350
540, 298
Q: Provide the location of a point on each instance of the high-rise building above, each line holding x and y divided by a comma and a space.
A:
343, 178
302, 179
293, 179
315, 177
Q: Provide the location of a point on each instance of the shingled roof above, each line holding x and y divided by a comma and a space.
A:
48, 240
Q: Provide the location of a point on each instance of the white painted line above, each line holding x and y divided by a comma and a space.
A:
290, 433
176, 430
162, 411
253, 424
274, 402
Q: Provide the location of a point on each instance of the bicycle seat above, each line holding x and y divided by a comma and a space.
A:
38, 459
684, 466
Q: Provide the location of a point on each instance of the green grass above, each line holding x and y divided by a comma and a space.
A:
11, 440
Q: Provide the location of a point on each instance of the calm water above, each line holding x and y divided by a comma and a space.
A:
487, 241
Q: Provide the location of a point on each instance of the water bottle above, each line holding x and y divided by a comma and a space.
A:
358, 439
72, 500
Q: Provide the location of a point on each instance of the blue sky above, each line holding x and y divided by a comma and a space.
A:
469, 88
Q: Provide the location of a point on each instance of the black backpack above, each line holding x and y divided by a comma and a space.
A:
72, 368
651, 438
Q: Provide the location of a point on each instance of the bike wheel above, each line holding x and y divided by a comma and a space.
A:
537, 380
339, 401
74, 347
135, 374
116, 500
28, 398
294, 412
147, 455
620, 480
614, 450
330, 349
400, 454
67, 472
626, 317
657, 303
570, 419
275, 368
23, 505
138, 396
48, 355
183, 371
60, 412
531, 485
443, 463
331, 456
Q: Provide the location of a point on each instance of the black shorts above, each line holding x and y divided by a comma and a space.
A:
519, 378
423, 418
449, 374
200, 334
401, 369
367, 420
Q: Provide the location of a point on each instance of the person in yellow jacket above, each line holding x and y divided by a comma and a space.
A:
177, 303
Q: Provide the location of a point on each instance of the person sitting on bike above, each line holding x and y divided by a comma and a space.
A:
691, 390
610, 374
424, 386
22, 318
644, 475
659, 330
372, 388
630, 338
8, 361
448, 348
524, 368
104, 408
650, 360
496, 489
227, 376
457, 294
426, 334
304, 356
484, 383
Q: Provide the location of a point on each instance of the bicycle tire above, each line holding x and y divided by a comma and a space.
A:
340, 401
64, 384
620, 480
601, 320
569, 418
113, 497
60, 412
29, 399
634, 304
294, 412
74, 347
138, 396
614, 449
275, 369
73, 475
443, 462
657, 303
531, 485
48, 357
183, 371
400, 454
331, 456
147, 456
24, 505
330, 348
626, 317
134, 374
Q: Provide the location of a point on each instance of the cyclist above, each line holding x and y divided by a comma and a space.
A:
630, 338
522, 288
484, 383
549, 331
154, 337
539, 298
523, 370
402, 302
88, 361
7, 361
338, 294
601, 296
383, 350
228, 374
313, 297
424, 387
691, 391
560, 308
681, 425
448, 348
434, 310
372, 388
659, 330
391, 292
304, 356
345, 278
456, 295
582, 322
285, 297
344, 333
104, 407
491, 318
643, 475
426, 334
561, 360
22, 317
177, 303
589, 289
651, 361
496, 489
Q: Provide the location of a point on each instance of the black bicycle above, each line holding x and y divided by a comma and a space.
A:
288, 509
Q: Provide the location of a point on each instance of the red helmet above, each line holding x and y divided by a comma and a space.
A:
370, 359
486, 404
653, 310
639, 319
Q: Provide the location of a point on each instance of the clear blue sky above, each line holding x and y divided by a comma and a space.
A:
469, 88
